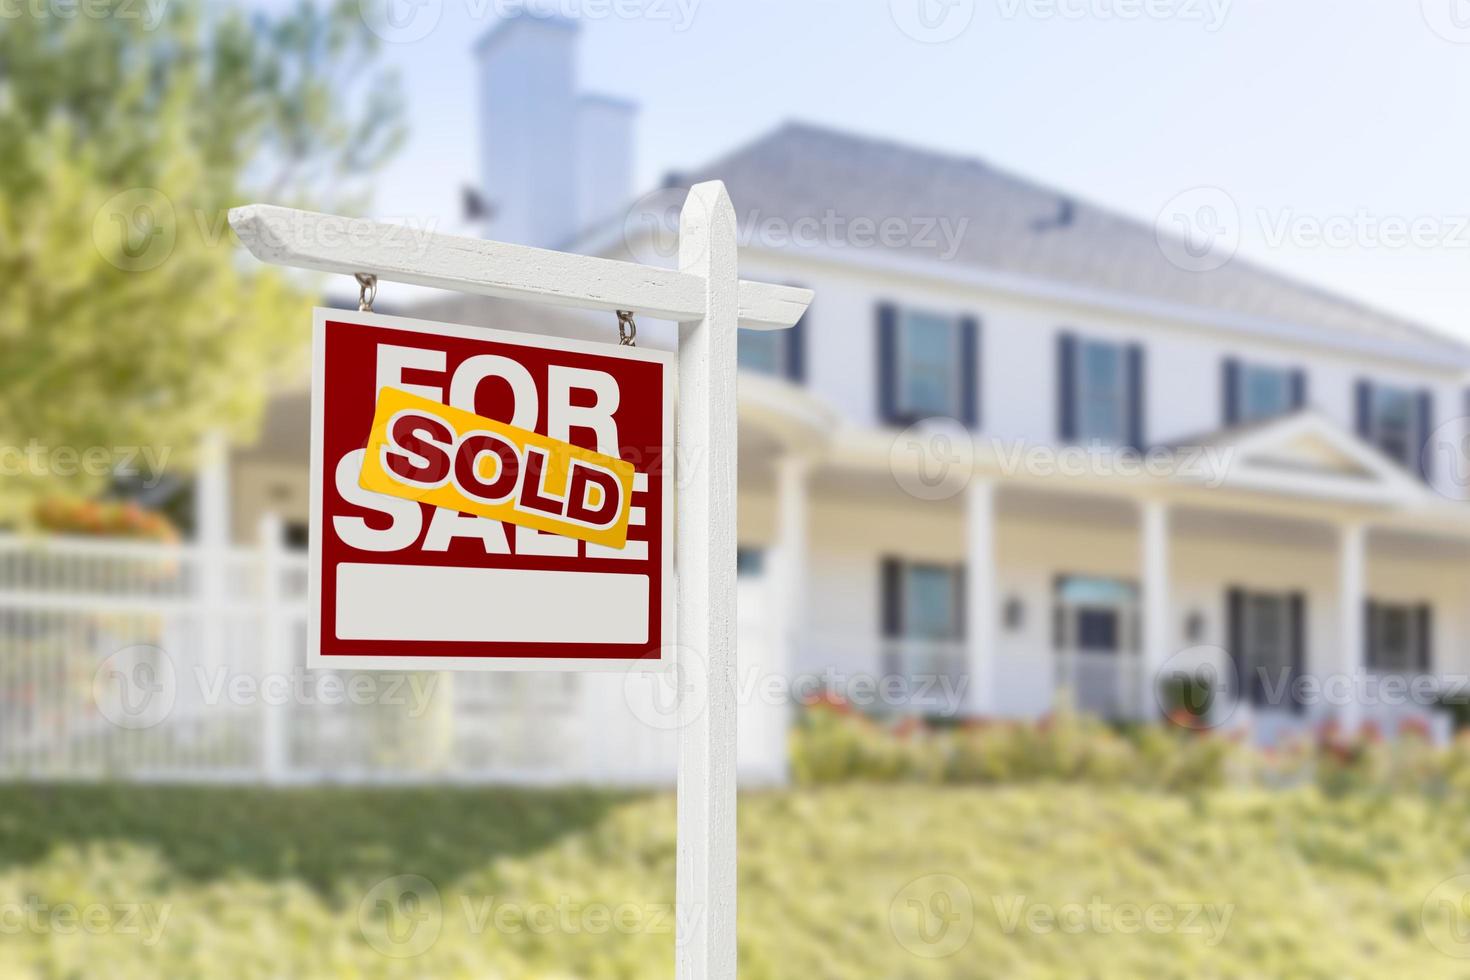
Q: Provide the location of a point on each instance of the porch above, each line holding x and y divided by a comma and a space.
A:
1308, 580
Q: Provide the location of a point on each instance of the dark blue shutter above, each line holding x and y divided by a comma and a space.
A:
1370, 634
1425, 616
1426, 427
1364, 401
1067, 387
1230, 392
1135, 397
796, 349
887, 362
970, 371
891, 598
959, 605
1298, 389
1235, 646
1298, 605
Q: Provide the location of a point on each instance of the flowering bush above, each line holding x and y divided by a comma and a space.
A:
835, 744
69, 515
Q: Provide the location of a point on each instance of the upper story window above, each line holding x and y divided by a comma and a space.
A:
1398, 421
1253, 392
1102, 393
778, 353
762, 351
1100, 389
1398, 638
927, 363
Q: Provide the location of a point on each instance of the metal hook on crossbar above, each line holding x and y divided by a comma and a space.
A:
367, 291
627, 329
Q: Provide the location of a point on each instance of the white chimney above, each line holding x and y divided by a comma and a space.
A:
552, 161
528, 129
605, 158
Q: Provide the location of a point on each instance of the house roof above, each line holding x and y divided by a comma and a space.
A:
1015, 226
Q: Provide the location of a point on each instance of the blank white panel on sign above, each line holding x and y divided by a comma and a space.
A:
426, 602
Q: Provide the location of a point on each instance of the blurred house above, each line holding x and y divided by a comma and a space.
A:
1018, 455
1127, 468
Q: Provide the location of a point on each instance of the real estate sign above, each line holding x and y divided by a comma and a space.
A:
487, 499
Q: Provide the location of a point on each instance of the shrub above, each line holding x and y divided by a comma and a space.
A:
832, 743
835, 744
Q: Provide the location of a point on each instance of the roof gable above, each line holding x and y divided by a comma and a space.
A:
1306, 453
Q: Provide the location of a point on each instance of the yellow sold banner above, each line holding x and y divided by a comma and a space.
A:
422, 450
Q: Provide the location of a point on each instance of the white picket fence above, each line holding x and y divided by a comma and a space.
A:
124, 660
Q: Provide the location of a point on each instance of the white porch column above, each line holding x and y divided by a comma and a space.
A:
212, 492
1154, 557
212, 551
980, 599
788, 598
1351, 588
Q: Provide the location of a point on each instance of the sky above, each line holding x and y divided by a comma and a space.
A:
1329, 138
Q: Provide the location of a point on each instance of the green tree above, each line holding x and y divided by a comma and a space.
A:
127, 130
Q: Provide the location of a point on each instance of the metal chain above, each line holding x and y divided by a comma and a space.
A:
627, 329
367, 291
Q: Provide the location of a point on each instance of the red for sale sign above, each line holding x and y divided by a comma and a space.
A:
482, 499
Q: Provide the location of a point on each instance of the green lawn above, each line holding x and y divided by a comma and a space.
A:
1011, 882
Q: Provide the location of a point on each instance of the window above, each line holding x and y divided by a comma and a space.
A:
1398, 638
1267, 643
1391, 425
749, 562
1102, 393
1264, 392
297, 536
1260, 391
777, 353
928, 366
930, 602
1268, 638
762, 351
923, 620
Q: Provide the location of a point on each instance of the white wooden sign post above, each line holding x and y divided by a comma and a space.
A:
709, 301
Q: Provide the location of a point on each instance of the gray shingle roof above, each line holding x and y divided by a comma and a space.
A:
1016, 226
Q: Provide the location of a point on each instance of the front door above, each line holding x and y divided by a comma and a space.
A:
1096, 645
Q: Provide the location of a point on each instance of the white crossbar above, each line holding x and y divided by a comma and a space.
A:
330, 243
